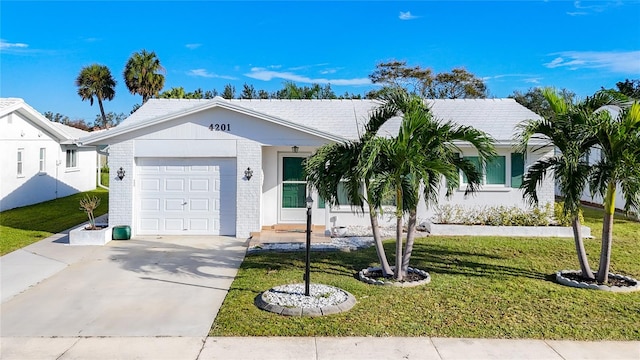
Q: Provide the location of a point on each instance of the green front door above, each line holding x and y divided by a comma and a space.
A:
293, 189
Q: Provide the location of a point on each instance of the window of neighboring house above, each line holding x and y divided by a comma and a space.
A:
494, 171
72, 158
19, 162
43, 159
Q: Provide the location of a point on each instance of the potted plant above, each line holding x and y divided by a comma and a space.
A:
90, 234
88, 204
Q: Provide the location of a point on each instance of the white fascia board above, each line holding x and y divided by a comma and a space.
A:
209, 105
43, 123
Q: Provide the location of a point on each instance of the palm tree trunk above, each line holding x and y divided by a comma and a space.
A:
382, 256
582, 254
104, 117
607, 233
398, 275
411, 234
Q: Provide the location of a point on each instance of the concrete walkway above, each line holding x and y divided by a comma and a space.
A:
318, 348
156, 298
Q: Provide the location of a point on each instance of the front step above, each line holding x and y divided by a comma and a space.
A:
294, 228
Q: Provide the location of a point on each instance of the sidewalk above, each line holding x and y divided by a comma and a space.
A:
310, 348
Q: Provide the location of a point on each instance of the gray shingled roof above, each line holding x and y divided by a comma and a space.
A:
345, 118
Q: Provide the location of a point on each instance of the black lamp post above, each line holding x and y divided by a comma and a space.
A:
306, 270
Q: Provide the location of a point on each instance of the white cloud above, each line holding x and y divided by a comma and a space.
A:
204, 73
527, 77
192, 46
583, 9
268, 75
625, 62
328, 71
406, 16
4, 45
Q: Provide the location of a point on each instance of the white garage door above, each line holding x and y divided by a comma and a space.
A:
186, 196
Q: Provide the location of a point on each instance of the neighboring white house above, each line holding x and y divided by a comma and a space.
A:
40, 160
232, 167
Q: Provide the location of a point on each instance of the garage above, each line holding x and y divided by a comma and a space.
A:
185, 196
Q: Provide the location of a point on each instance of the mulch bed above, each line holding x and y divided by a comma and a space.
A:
613, 281
410, 277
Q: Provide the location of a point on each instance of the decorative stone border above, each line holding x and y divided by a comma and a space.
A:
363, 276
583, 285
262, 302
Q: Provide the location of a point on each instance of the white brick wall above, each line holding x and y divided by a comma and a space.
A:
121, 191
248, 195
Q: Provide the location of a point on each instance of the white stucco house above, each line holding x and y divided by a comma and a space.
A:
232, 167
40, 159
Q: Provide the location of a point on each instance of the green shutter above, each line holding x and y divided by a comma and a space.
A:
496, 171
320, 202
343, 197
517, 169
476, 161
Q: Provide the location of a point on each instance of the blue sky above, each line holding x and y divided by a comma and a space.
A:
513, 45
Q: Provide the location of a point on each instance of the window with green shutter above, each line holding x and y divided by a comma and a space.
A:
476, 161
495, 171
517, 169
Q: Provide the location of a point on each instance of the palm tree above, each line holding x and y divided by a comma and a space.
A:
337, 163
416, 160
142, 75
568, 130
96, 80
618, 135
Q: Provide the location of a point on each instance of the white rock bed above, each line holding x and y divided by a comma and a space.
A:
293, 296
356, 237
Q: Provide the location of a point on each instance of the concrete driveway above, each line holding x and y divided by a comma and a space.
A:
148, 286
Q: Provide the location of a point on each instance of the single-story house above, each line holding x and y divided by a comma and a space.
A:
40, 158
232, 167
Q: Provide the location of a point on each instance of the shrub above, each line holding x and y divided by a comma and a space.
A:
564, 220
494, 216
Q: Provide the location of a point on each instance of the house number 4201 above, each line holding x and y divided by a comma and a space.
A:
220, 127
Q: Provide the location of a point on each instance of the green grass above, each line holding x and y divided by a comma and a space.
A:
104, 178
26, 225
489, 287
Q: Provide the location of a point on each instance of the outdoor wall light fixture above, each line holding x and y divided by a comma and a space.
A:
295, 149
120, 173
248, 173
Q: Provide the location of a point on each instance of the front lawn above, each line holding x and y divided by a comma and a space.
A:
489, 287
26, 225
